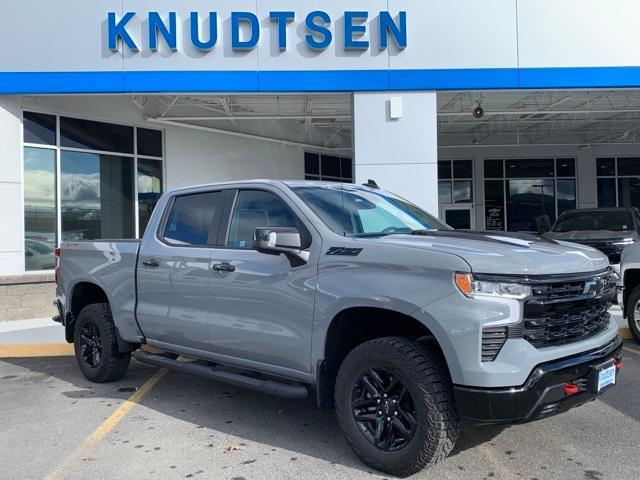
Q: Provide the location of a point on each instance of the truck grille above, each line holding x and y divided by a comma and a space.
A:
562, 312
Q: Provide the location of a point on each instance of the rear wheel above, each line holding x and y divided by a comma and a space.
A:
96, 345
395, 405
633, 313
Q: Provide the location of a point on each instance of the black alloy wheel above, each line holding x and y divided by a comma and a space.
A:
91, 344
383, 409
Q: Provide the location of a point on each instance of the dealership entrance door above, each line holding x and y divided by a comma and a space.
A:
460, 217
518, 159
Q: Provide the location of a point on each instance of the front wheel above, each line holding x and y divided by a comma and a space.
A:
96, 345
395, 405
633, 313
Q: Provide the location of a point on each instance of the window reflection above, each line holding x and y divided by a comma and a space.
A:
96, 196
39, 208
527, 200
149, 190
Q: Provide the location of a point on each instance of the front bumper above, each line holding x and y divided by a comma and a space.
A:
543, 393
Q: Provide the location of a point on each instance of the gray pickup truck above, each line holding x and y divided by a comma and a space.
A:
352, 296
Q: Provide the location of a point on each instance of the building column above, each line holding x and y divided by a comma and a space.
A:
396, 144
12, 238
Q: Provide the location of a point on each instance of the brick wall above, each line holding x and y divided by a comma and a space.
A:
23, 298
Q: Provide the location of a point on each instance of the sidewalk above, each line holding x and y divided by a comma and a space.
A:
40, 337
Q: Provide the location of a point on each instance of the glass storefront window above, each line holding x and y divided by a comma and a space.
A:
444, 192
96, 196
527, 201
149, 142
90, 135
629, 192
97, 188
607, 192
149, 190
39, 128
566, 195
40, 223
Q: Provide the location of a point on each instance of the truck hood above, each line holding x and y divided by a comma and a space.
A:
507, 253
591, 235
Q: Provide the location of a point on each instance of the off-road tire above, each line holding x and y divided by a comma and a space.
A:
631, 313
426, 377
113, 364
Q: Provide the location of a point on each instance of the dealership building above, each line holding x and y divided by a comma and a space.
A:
490, 114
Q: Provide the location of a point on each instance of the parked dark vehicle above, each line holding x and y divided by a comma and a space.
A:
609, 230
353, 296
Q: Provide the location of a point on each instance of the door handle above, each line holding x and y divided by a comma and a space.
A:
151, 263
224, 267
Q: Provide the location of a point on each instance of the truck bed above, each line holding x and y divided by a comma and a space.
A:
110, 264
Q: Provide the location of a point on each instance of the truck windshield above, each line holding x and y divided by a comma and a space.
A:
355, 212
617, 221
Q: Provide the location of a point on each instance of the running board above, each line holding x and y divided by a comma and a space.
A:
269, 387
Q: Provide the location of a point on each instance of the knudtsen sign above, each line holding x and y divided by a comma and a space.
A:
245, 30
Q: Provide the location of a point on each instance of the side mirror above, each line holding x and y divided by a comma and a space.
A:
28, 253
281, 240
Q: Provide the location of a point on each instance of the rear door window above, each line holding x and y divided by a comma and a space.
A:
195, 219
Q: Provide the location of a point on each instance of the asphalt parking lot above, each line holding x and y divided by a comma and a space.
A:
156, 424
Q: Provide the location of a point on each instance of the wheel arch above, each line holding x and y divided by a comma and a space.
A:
356, 325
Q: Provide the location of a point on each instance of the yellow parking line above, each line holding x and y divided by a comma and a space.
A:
107, 425
625, 333
30, 350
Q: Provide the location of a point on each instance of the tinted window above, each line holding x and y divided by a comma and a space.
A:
566, 167
195, 219
629, 192
607, 192
149, 142
444, 170
253, 209
530, 168
39, 128
494, 204
463, 169
616, 221
493, 169
347, 168
330, 166
606, 167
566, 195
629, 166
312, 163
527, 202
107, 137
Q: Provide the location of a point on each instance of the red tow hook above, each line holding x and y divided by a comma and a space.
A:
619, 365
571, 389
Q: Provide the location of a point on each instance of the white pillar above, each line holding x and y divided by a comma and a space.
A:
11, 218
400, 154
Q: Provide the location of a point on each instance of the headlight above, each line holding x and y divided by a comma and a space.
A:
626, 241
471, 288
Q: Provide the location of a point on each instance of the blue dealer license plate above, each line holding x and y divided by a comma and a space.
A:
606, 377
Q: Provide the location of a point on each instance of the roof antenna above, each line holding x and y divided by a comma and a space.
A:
371, 184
